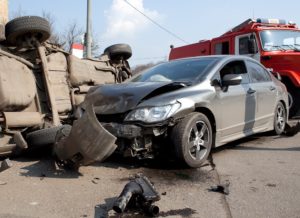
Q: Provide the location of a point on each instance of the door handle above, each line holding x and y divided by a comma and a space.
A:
272, 88
251, 91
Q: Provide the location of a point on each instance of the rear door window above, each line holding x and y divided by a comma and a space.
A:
258, 73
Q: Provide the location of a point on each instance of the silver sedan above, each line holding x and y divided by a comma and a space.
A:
189, 106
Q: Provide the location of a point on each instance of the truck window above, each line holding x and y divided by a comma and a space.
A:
222, 48
243, 45
257, 72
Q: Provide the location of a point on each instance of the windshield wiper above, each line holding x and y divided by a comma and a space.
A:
279, 47
297, 47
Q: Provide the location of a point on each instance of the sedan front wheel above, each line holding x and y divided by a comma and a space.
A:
280, 119
192, 139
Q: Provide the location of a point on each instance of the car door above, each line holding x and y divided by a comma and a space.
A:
236, 104
262, 83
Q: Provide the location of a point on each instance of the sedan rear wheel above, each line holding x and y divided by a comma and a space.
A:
192, 139
279, 119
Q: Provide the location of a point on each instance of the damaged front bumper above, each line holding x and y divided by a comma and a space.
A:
136, 140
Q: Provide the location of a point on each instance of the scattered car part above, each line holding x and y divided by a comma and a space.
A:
138, 193
25, 29
87, 141
222, 188
5, 164
292, 130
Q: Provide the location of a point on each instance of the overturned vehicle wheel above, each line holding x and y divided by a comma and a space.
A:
42, 137
192, 139
22, 31
118, 50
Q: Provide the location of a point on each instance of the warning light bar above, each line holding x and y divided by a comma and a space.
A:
271, 21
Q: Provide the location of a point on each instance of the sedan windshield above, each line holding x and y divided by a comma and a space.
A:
274, 40
186, 70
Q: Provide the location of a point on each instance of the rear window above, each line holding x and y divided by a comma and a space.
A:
187, 70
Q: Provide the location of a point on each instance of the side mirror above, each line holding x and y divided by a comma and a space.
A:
231, 80
252, 46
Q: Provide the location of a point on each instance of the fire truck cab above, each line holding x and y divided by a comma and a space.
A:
273, 42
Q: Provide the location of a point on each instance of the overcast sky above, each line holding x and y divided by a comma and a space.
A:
114, 21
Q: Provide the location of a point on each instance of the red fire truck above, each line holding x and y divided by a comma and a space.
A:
273, 42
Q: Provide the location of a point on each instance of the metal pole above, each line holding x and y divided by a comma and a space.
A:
89, 30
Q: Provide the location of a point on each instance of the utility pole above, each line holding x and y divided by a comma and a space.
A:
89, 30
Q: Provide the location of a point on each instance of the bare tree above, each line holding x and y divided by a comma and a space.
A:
18, 13
139, 68
72, 34
55, 37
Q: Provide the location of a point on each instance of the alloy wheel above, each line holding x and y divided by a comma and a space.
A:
199, 140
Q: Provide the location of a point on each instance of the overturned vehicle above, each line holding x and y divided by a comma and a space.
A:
185, 107
41, 85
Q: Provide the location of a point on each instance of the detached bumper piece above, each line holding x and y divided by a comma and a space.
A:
138, 194
85, 143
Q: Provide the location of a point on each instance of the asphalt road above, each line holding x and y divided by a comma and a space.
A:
263, 173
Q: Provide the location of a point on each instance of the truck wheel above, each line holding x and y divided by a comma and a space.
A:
294, 98
42, 137
279, 119
118, 50
192, 139
17, 30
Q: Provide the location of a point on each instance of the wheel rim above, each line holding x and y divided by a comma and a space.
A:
199, 140
280, 118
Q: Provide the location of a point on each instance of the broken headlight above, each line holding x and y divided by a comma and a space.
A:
152, 114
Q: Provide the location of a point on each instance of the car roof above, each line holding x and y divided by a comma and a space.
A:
216, 57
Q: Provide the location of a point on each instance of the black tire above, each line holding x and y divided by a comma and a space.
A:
294, 94
185, 134
294, 98
18, 29
118, 50
42, 137
280, 119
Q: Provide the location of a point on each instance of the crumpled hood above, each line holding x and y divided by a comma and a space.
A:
119, 98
